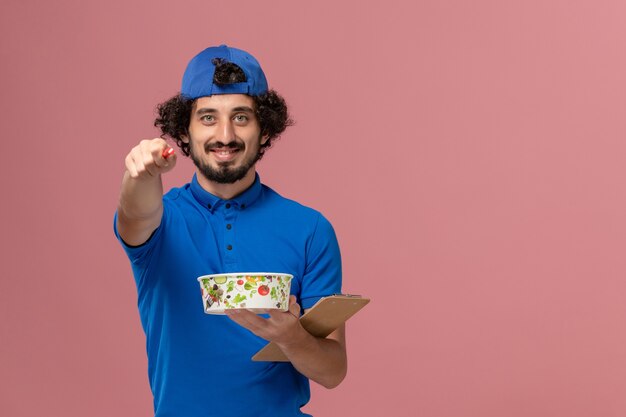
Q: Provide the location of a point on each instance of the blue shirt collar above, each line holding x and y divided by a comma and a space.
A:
210, 201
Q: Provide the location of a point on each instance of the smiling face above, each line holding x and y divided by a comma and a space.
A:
224, 137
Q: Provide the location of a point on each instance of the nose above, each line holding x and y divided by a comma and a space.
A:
227, 132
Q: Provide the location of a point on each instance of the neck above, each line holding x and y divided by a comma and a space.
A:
227, 191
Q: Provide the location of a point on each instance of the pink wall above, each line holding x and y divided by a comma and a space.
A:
470, 155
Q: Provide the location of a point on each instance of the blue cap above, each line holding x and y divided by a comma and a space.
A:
198, 77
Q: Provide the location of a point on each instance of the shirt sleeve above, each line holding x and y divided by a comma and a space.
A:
322, 276
140, 255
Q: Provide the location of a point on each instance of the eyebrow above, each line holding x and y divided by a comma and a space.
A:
244, 109
207, 110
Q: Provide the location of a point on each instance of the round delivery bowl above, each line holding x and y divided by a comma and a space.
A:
258, 292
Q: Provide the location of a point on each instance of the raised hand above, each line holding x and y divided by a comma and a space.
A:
150, 158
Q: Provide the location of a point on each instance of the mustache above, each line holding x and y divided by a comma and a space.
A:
235, 145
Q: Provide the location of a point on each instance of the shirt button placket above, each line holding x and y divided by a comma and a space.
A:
229, 236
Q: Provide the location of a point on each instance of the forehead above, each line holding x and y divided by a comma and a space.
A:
224, 102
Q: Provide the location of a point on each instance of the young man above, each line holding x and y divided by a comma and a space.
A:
224, 220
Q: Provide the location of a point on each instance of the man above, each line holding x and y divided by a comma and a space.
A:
224, 220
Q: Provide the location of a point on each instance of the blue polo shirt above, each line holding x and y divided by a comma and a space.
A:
200, 365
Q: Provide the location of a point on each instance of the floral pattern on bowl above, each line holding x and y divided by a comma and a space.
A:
255, 291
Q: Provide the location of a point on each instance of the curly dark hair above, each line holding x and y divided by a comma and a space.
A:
174, 115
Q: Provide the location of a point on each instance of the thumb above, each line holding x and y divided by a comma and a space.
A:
294, 307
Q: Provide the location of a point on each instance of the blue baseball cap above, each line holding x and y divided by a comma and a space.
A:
198, 77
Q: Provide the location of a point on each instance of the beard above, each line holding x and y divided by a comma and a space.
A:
224, 173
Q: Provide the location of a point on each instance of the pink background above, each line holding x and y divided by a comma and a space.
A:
470, 155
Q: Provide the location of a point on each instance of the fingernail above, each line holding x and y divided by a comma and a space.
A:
167, 152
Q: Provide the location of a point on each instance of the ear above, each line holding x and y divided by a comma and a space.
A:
184, 138
264, 139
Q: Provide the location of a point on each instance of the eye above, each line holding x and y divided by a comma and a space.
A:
207, 118
241, 118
